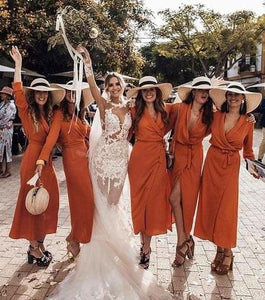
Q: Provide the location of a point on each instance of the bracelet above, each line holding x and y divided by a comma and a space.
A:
88, 70
40, 162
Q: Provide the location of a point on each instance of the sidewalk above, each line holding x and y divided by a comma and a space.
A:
19, 280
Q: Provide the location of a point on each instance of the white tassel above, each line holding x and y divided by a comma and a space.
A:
33, 180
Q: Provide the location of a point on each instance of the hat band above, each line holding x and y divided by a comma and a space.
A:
147, 82
40, 84
201, 82
236, 87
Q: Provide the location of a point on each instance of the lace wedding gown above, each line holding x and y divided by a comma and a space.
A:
107, 267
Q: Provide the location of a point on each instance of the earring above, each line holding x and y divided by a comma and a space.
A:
227, 107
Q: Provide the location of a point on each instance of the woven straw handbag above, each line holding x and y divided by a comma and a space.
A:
37, 200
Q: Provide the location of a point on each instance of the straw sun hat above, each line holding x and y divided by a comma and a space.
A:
41, 84
201, 83
88, 98
7, 90
148, 82
252, 99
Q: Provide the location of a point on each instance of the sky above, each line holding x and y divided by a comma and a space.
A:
221, 6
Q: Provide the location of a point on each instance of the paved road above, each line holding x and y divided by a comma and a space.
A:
19, 280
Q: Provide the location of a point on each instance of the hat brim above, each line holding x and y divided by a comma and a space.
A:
165, 89
71, 87
86, 92
184, 90
57, 93
11, 95
252, 99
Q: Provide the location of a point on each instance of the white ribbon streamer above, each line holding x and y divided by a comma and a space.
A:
78, 62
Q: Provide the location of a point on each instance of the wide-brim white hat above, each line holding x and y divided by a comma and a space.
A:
252, 99
201, 83
148, 82
88, 98
41, 84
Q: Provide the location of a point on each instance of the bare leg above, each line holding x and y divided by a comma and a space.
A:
8, 169
72, 246
35, 249
182, 237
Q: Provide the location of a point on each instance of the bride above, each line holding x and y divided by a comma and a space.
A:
107, 267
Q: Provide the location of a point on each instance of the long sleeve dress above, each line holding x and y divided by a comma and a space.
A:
24, 224
7, 115
188, 158
149, 180
217, 215
75, 161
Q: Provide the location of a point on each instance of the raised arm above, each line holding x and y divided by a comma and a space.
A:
19, 96
91, 79
15, 54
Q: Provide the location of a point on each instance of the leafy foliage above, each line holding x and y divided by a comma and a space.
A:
210, 38
30, 24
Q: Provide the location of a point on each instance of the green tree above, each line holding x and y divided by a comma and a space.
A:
210, 38
30, 24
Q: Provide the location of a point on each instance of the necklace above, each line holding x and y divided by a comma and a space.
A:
196, 113
120, 104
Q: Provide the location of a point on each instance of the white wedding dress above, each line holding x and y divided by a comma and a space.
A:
107, 267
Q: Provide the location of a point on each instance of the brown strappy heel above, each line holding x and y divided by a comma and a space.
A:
217, 260
176, 263
223, 269
191, 244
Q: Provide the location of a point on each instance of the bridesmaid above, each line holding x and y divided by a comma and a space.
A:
72, 130
216, 219
193, 120
149, 181
35, 111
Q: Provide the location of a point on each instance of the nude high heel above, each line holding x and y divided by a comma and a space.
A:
72, 247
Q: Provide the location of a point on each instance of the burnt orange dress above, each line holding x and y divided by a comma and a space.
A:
217, 215
75, 161
188, 158
24, 224
149, 180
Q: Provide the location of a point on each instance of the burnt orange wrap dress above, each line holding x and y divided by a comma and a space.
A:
217, 214
149, 180
24, 224
75, 161
188, 158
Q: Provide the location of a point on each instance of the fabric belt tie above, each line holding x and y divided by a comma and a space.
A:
228, 155
190, 148
162, 157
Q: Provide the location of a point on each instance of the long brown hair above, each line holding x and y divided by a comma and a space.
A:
140, 106
67, 116
35, 112
207, 109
